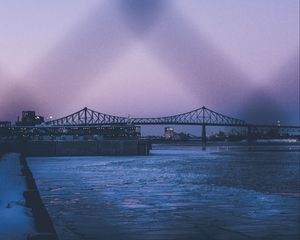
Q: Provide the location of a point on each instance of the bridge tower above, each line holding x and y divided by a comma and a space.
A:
203, 128
85, 115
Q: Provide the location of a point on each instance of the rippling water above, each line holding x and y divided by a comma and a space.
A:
178, 192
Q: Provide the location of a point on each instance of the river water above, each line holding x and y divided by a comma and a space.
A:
178, 192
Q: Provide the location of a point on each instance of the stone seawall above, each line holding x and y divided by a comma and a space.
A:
78, 148
43, 222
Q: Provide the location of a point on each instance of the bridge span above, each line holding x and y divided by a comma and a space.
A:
201, 117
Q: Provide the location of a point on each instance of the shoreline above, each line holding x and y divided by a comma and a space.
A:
21, 206
43, 223
228, 143
16, 219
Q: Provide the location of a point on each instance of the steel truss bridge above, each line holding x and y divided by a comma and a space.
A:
202, 117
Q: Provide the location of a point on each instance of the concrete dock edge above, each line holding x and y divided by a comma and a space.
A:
43, 223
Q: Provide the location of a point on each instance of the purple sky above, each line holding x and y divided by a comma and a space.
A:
151, 57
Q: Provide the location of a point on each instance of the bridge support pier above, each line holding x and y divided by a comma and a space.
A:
204, 139
250, 137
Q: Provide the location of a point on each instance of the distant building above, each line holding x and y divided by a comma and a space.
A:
29, 118
5, 124
181, 136
169, 133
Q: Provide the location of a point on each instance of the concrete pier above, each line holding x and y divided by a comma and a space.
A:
78, 148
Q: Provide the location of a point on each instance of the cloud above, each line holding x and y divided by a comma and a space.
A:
90, 49
142, 16
278, 99
198, 63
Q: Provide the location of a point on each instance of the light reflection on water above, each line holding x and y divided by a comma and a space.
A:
179, 192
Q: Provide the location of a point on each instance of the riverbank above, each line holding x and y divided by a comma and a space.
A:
261, 142
16, 221
22, 212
